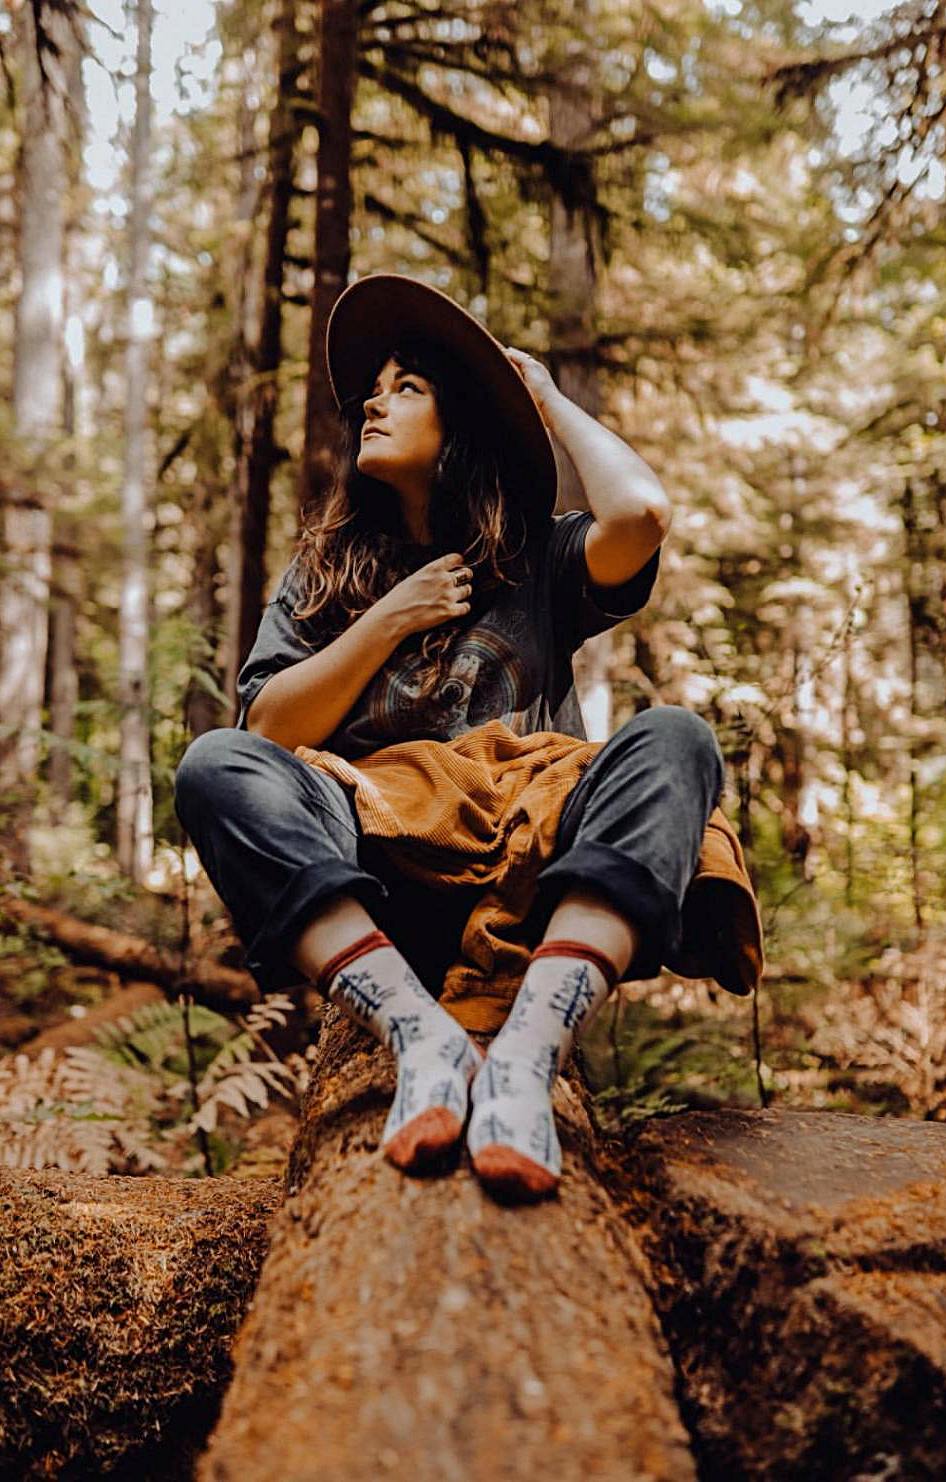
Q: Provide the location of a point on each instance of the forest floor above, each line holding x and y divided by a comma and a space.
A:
871, 1044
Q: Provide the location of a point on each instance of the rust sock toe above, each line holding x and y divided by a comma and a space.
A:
424, 1139
512, 1173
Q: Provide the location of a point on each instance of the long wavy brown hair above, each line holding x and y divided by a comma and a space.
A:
354, 545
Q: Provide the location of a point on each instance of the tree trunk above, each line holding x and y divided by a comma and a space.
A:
416, 1328
572, 337
63, 680
135, 829
201, 705
258, 401
119, 1298
913, 593
63, 675
223, 988
337, 74
37, 413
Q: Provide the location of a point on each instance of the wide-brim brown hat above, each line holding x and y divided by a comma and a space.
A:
375, 311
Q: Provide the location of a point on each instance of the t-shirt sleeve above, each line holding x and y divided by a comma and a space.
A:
580, 608
280, 640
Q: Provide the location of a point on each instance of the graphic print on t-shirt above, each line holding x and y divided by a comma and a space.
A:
512, 663
484, 668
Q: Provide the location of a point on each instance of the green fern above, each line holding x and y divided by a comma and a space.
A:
153, 1036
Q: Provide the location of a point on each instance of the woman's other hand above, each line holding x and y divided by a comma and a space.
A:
433, 594
537, 378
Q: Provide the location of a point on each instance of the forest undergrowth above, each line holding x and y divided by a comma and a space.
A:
851, 1017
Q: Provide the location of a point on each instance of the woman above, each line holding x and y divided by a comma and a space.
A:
434, 592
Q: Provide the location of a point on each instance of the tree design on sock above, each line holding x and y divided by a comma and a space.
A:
403, 1030
363, 994
447, 1094
436, 1059
492, 1129
457, 1051
575, 997
495, 1079
512, 1104
404, 1104
520, 1009
545, 1066
543, 1142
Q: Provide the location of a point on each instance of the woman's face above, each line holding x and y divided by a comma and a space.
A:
403, 431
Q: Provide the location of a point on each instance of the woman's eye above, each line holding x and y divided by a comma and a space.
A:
412, 385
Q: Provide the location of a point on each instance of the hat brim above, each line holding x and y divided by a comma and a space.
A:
380, 308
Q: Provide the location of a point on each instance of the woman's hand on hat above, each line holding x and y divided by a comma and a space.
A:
536, 377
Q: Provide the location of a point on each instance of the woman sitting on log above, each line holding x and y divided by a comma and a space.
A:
433, 593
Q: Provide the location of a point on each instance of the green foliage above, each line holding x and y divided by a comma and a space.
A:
643, 1063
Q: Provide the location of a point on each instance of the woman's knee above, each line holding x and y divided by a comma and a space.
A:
683, 735
206, 770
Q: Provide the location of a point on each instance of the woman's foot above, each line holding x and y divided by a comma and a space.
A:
436, 1060
429, 1109
512, 1139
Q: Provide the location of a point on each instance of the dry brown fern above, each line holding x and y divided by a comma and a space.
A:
76, 1111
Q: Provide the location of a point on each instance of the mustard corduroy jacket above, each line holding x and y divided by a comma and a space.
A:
483, 809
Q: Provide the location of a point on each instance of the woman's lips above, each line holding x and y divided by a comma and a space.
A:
374, 432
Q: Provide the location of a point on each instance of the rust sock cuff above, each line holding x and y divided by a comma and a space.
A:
566, 947
369, 943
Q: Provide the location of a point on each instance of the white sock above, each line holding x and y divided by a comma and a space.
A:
436, 1059
512, 1137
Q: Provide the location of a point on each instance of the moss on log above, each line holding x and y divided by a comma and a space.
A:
414, 1327
799, 1267
119, 1299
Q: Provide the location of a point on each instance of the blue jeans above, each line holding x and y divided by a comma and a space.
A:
279, 838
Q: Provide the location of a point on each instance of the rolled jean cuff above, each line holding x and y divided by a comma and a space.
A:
269, 955
648, 905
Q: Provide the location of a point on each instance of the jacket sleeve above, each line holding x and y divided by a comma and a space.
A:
580, 608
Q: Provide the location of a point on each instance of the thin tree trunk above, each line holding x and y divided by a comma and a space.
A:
914, 604
63, 679
572, 337
63, 675
201, 705
258, 401
847, 697
37, 412
332, 255
135, 836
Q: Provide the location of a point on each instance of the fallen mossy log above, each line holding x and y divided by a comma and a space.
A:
119, 1300
799, 1268
123, 1003
414, 1327
223, 988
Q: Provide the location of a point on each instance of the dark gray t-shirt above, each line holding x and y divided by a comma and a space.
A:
511, 663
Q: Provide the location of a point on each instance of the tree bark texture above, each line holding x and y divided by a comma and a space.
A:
797, 1264
572, 338
201, 706
119, 1298
332, 255
222, 988
135, 834
63, 683
37, 407
415, 1328
259, 400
